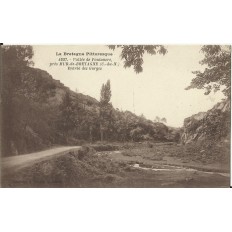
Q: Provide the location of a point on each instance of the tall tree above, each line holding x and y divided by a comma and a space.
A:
217, 72
132, 55
105, 93
105, 108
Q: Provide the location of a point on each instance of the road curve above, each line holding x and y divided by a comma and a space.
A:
20, 161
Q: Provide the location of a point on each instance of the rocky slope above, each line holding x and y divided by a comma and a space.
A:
213, 125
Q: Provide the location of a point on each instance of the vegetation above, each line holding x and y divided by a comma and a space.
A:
39, 112
86, 168
105, 109
21, 107
132, 55
217, 73
215, 125
74, 169
158, 119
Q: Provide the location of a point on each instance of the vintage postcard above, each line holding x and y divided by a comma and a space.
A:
115, 116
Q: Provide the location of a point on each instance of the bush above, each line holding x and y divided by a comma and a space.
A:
103, 147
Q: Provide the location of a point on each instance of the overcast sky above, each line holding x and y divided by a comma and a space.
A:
158, 91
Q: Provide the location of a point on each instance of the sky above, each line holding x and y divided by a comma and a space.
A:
158, 91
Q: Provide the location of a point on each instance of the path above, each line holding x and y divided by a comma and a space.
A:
21, 161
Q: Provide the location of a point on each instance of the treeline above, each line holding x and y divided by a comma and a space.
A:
38, 111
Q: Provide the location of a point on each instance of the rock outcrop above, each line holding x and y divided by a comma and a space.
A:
211, 125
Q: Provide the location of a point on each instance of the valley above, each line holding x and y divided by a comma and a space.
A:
53, 136
130, 165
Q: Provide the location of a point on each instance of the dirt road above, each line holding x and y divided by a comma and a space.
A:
21, 161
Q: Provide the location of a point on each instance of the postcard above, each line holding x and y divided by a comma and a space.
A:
115, 116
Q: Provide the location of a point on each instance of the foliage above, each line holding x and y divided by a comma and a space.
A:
132, 55
14, 62
105, 109
105, 93
17, 56
39, 112
74, 169
105, 147
136, 134
217, 73
158, 119
164, 120
68, 117
214, 126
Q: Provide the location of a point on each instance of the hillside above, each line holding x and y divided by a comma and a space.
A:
43, 112
213, 125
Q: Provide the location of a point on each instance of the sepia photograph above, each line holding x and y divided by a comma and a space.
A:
115, 116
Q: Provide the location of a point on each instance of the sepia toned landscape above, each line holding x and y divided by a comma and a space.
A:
150, 116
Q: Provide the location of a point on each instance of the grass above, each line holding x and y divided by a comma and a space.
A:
205, 152
75, 169
105, 147
86, 168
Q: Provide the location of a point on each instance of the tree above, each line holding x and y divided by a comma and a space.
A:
105, 108
15, 59
132, 55
164, 120
217, 73
91, 122
68, 117
105, 93
17, 56
136, 134
157, 119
